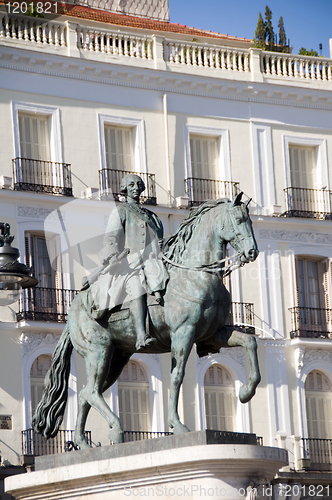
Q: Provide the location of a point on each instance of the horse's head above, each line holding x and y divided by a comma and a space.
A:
238, 229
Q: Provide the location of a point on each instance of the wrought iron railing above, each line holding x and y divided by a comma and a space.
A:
310, 203
41, 176
200, 190
319, 452
35, 444
141, 435
311, 322
242, 314
110, 182
45, 304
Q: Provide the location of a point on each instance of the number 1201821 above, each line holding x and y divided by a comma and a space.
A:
38, 7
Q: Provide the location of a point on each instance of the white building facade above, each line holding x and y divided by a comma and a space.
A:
89, 95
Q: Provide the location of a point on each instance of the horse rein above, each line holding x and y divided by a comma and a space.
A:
211, 268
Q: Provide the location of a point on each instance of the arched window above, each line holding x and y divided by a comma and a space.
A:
38, 371
219, 399
319, 405
133, 390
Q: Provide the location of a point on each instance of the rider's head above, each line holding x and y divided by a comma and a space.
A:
132, 185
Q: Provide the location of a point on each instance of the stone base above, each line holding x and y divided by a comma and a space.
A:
195, 471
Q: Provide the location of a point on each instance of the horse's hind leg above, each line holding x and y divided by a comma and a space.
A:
230, 337
97, 368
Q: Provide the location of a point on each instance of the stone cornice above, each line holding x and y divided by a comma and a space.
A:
57, 65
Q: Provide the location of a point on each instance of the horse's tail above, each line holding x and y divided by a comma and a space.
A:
49, 413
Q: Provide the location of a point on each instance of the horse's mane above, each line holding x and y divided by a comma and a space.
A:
175, 245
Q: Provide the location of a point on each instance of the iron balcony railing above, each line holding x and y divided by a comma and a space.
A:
45, 304
200, 190
319, 452
310, 203
242, 314
41, 176
311, 322
141, 435
110, 182
36, 445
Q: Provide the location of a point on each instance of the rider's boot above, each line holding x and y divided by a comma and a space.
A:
139, 313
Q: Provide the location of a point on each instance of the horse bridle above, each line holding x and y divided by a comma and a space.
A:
213, 267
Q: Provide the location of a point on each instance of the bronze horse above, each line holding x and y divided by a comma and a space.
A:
195, 310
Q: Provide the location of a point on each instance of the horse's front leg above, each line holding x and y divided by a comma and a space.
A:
181, 345
229, 337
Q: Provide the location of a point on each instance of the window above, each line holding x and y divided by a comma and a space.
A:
38, 372
204, 157
208, 165
319, 405
34, 137
311, 316
38, 164
47, 301
219, 399
303, 167
307, 193
119, 148
133, 390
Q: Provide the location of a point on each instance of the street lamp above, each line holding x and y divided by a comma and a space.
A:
13, 275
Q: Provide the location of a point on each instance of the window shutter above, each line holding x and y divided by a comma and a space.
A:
222, 412
230, 412
34, 137
119, 148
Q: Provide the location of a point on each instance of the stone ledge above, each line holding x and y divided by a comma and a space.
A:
221, 466
196, 438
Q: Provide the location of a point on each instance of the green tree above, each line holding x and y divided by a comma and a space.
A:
269, 28
305, 52
282, 34
260, 33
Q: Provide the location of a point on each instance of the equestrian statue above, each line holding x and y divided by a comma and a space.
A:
154, 296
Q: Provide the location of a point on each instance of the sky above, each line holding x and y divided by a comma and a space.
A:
307, 22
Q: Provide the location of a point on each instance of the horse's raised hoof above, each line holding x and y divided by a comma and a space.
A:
180, 428
116, 435
245, 394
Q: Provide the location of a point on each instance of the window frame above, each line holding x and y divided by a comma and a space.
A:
322, 165
53, 114
238, 373
223, 146
139, 149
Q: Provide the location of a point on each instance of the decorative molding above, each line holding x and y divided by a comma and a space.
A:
31, 341
237, 355
304, 356
38, 213
303, 237
67, 72
299, 360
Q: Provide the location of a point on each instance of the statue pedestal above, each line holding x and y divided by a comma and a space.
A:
193, 465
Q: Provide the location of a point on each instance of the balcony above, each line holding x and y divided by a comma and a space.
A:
242, 314
36, 445
308, 322
200, 190
45, 304
310, 203
110, 181
166, 50
319, 452
41, 176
